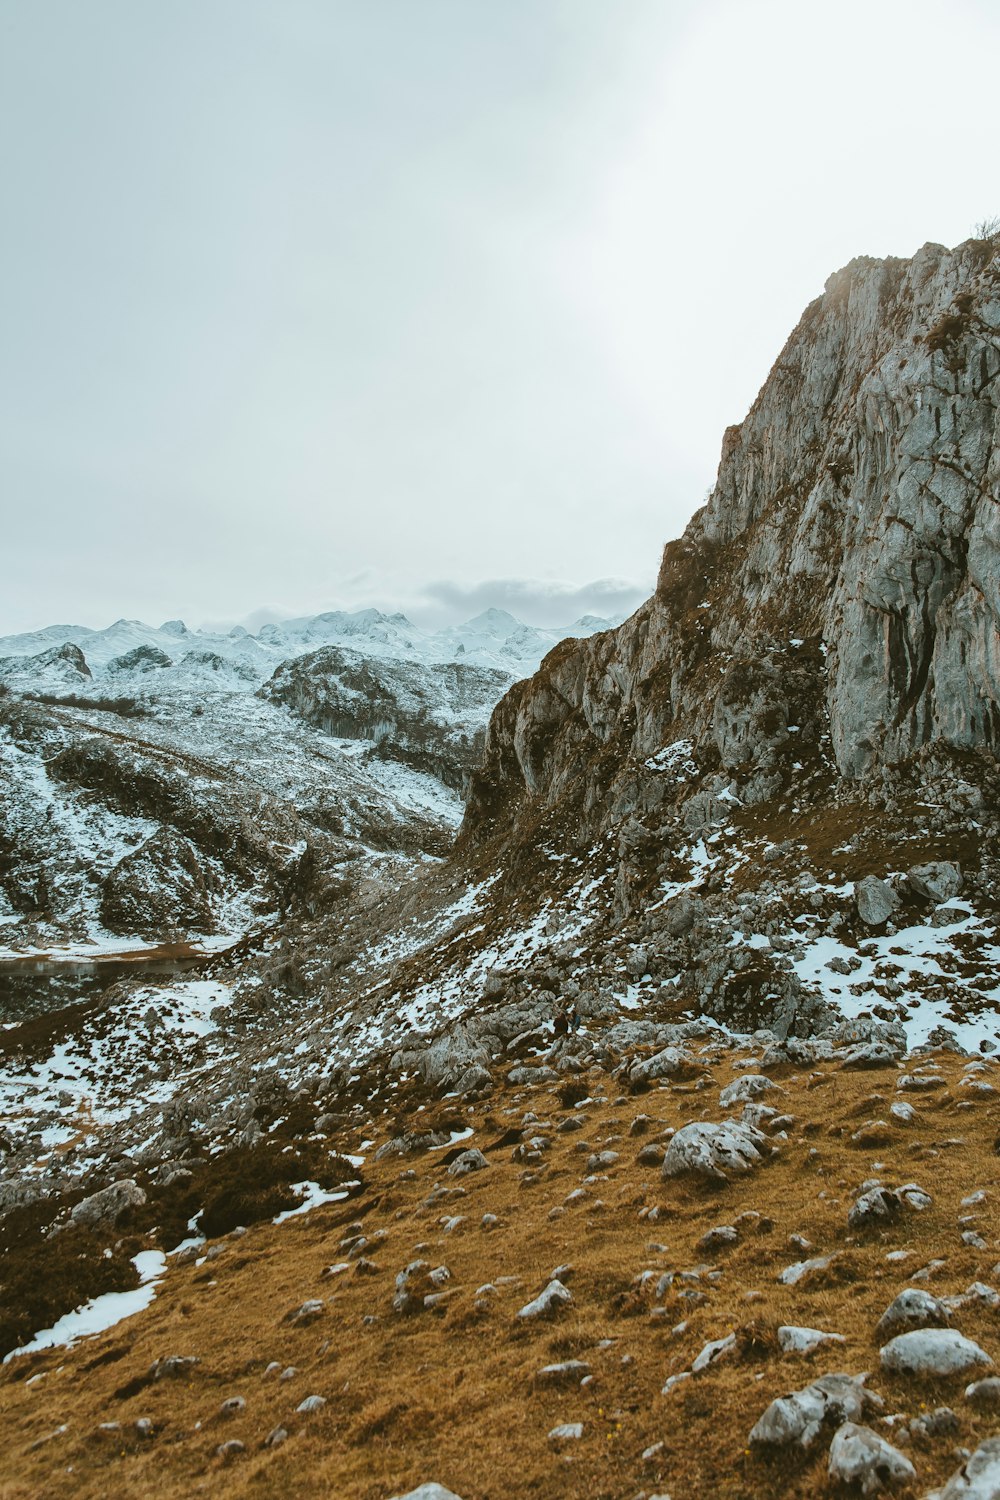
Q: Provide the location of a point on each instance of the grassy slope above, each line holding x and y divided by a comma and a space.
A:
452, 1394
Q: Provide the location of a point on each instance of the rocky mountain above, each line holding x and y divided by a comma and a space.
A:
431, 717
836, 600
671, 1091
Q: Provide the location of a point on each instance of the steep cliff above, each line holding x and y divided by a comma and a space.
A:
834, 607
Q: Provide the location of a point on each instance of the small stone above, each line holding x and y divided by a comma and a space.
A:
567, 1432
795, 1340
720, 1238
804, 1270
569, 1372
428, 1492
311, 1403
984, 1395
307, 1313
548, 1302
232, 1449
173, 1366
232, 1406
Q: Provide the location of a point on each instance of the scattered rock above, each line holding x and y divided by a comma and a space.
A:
859, 1457
932, 1352
913, 1308
799, 1417
713, 1151
110, 1206
548, 1302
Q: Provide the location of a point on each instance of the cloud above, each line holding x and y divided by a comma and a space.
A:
538, 601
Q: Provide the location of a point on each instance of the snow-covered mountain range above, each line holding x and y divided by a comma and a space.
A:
133, 655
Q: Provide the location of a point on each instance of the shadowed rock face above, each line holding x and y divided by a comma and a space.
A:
839, 592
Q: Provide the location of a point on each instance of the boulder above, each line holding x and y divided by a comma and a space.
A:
937, 881
978, 1478
913, 1308
798, 1418
110, 1206
712, 1152
548, 1302
932, 1353
876, 901
860, 1458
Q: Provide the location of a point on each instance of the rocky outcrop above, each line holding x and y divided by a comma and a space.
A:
431, 717
836, 602
160, 889
140, 659
60, 666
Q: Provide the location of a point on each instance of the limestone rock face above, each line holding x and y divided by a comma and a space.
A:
840, 588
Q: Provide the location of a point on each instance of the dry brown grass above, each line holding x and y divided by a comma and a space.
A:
452, 1395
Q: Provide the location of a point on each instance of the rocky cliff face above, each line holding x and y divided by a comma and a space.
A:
834, 608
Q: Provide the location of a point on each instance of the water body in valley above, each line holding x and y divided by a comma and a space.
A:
37, 984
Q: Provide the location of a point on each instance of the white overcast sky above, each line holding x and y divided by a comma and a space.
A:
430, 304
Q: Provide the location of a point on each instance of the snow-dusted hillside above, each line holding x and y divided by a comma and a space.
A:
161, 784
